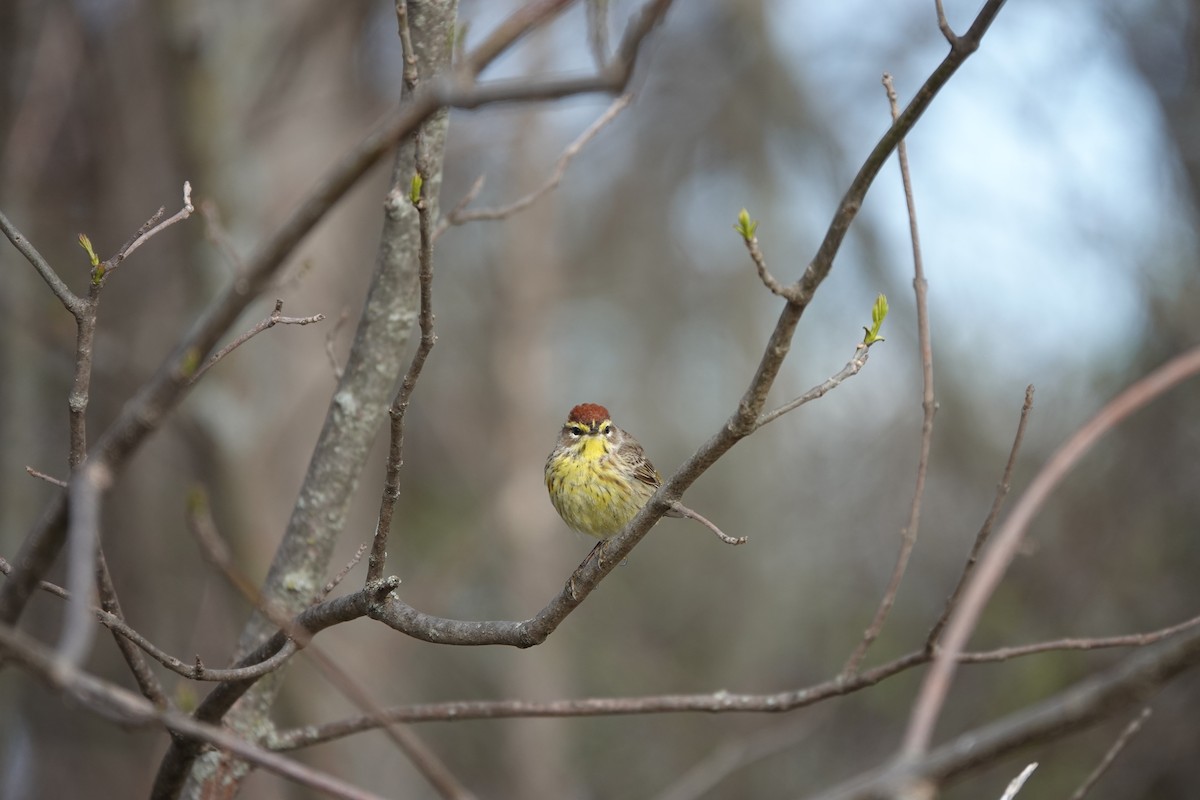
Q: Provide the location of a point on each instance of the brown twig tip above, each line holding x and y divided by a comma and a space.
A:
47, 478
688, 513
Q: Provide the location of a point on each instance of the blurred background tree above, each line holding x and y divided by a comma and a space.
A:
1055, 181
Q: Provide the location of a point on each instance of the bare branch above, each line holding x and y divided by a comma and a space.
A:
706, 702
684, 511
274, 318
460, 215
744, 419
736, 753
1096, 643
196, 671
525, 19
146, 680
1000, 552
170, 383
45, 586
1129, 683
127, 708
424, 759
342, 573
460, 206
789, 293
852, 368
985, 530
184, 751
411, 75
1128, 733
1015, 785
217, 552
908, 536
399, 406
50, 479
150, 230
71, 302
329, 340
218, 237
944, 25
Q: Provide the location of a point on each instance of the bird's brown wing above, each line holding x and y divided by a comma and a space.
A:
643, 470
632, 453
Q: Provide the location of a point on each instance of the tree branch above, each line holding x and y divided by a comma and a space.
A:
995, 561
908, 536
144, 413
1129, 683
127, 708
718, 702
71, 302
985, 530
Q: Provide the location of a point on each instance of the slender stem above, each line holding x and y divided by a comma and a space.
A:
995, 561
908, 536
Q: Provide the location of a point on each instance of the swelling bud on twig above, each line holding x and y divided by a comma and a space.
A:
879, 313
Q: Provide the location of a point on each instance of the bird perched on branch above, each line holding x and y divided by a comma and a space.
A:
599, 477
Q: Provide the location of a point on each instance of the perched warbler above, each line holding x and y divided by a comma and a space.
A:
599, 477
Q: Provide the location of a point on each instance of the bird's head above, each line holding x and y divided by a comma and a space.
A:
589, 429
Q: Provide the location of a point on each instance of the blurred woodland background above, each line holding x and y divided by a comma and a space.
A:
1055, 179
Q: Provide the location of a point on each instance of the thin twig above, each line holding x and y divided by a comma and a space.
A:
737, 753
399, 407
342, 573
71, 302
1003, 547
791, 293
216, 550
45, 586
1128, 684
127, 708
460, 215
410, 73
424, 759
274, 318
908, 536
1016, 783
944, 25
330, 337
50, 479
1128, 733
460, 206
1075, 643
149, 233
985, 530
688, 513
151, 688
853, 366
218, 237
718, 702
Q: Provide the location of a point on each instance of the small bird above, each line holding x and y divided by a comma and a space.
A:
599, 477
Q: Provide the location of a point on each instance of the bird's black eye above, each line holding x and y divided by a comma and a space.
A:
607, 429
573, 431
